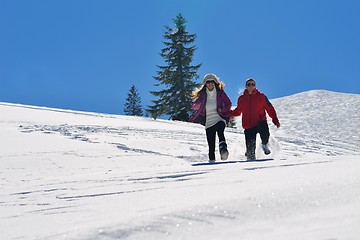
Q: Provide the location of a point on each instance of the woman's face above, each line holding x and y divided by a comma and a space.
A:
210, 85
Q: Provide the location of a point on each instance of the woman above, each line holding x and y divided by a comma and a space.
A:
212, 107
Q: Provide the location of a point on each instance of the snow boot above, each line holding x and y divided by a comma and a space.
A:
250, 155
211, 157
266, 149
224, 153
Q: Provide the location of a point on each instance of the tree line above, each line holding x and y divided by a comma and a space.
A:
175, 79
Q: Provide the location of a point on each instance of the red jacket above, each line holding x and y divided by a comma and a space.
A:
252, 107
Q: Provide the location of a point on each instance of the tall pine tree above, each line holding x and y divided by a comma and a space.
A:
178, 76
133, 103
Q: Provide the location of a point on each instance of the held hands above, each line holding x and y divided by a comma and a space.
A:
224, 112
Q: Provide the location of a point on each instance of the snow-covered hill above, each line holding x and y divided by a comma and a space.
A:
321, 121
76, 175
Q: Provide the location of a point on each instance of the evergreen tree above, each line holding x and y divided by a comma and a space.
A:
177, 77
232, 123
133, 103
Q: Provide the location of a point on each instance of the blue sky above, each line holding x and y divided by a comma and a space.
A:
86, 54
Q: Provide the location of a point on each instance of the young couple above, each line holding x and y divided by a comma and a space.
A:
213, 110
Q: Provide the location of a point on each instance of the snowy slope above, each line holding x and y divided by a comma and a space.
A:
76, 175
321, 121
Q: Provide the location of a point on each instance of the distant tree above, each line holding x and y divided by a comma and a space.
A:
133, 103
232, 123
177, 77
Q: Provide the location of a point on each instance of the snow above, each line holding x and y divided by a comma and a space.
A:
76, 175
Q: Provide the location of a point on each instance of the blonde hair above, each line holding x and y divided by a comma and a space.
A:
197, 91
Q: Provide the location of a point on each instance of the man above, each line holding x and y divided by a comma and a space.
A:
252, 104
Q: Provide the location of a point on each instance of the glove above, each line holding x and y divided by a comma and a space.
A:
276, 122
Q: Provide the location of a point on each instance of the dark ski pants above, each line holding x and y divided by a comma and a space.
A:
211, 137
250, 137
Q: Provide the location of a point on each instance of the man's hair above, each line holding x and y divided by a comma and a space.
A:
250, 79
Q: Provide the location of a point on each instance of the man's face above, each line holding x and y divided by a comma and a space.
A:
250, 86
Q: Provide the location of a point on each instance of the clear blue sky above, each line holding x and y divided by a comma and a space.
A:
86, 54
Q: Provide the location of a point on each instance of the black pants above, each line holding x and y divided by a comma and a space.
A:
250, 137
211, 137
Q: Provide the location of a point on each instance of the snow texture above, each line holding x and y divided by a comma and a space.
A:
77, 175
